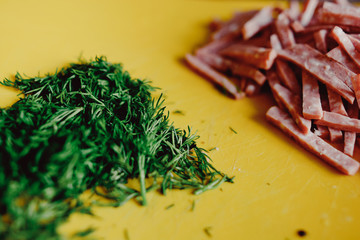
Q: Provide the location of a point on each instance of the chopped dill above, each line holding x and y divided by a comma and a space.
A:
85, 232
87, 126
207, 231
233, 130
170, 206
193, 205
179, 112
126, 234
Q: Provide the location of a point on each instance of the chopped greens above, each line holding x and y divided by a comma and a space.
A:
89, 126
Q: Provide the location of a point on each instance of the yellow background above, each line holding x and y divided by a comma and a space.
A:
279, 188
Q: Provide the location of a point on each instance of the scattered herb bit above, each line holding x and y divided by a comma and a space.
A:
89, 126
179, 112
301, 233
85, 232
193, 205
212, 149
233, 130
170, 206
126, 234
207, 231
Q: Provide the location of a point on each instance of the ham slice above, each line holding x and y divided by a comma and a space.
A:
257, 56
309, 9
216, 77
312, 108
338, 121
350, 137
287, 76
233, 27
332, 13
237, 68
312, 143
344, 41
342, 57
284, 32
327, 70
292, 103
259, 21
320, 40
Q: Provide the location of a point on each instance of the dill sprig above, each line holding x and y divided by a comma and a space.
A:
87, 126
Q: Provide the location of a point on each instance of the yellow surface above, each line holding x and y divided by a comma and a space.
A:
279, 188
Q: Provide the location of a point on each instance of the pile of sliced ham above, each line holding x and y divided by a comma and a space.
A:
309, 57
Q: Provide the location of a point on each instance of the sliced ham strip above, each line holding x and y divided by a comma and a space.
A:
309, 9
312, 143
214, 76
356, 85
273, 79
338, 121
215, 46
284, 32
312, 108
237, 68
257, 56
344, 41
292, 102
349, 143
275, 42
332, 13
293, 12
350, 137
297, 27
342, 57
322, 132
327, 70
259, 21
233, 27
320, 40
287, 76
334, 104
245, 70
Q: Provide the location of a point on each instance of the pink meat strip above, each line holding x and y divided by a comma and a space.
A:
232, 28
335, 102
275, 42
320, 40
215, 46
287, 76
273, 79
342, 57
350, 137
332, 13
309, 9
334, 105
327, 70
292, 102
322, 131
297, 27
339, 121
284, 32
312, 108
356, 85
213, 75
257, 56
259, 21
293, 12
312, 143
344, 41
237, 68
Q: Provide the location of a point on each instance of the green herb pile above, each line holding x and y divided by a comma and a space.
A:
87, 126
